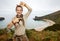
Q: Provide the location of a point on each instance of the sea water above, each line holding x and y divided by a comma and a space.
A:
30, 24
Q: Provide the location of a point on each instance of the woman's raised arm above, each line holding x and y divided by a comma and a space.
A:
28, 7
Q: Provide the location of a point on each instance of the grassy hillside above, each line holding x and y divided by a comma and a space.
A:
45, 35
55, 27
55, 16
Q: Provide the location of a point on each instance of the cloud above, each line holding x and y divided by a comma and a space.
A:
36, 5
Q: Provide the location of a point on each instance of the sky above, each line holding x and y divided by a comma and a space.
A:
36, 5
39, 7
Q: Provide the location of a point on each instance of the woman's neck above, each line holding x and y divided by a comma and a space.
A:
19, 16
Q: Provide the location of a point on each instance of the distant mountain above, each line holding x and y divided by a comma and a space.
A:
55, 16
2, 18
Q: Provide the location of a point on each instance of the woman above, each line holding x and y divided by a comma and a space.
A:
19, 22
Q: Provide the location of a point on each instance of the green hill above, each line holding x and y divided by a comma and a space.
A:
55, 16
2, 18
45, 35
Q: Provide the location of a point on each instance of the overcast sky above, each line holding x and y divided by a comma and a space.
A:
36, 5
7, 8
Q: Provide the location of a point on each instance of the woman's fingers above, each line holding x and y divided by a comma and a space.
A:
15, 20
22, 3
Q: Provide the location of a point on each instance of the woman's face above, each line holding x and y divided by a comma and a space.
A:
19, 10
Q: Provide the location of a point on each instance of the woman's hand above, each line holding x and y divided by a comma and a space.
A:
16, 20
22, 3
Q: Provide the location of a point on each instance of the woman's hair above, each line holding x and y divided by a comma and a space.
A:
22, 19
19, 6
21, 16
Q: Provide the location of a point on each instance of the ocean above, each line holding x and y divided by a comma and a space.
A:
30, 24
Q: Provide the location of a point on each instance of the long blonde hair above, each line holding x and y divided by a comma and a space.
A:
22, 19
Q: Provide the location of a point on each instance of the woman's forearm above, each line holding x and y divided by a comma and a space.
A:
28, 12
9, 25
25, 5
28, 7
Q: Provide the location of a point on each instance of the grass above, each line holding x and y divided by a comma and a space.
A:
45, 35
